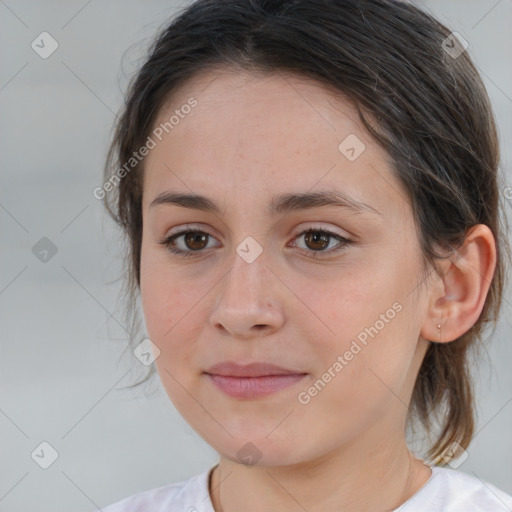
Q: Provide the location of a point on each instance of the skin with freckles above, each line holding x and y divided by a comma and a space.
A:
302, 302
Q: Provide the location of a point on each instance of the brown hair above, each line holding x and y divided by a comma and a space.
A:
427, 107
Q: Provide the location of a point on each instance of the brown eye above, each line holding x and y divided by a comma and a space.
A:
187, 243
196, 240
317, 241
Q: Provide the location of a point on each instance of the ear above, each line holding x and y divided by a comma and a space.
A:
458, 296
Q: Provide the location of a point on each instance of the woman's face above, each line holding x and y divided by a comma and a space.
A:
344, 318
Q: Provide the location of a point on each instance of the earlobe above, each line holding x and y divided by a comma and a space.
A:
458, 295
440, 333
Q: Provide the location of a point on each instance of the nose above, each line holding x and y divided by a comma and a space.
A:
249, 300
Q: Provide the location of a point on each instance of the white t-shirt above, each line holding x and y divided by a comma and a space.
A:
447, 490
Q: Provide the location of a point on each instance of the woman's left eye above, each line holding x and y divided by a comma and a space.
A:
317, 241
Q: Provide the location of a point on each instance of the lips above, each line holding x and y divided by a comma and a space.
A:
252, 381
232, 369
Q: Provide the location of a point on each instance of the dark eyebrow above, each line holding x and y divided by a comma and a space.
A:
284, 203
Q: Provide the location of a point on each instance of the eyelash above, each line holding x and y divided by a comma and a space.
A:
344, 242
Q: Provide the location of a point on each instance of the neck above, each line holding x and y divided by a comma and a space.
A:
381, 479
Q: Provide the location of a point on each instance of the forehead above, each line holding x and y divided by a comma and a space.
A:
258, 135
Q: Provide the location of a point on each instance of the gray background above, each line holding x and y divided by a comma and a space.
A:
60, 365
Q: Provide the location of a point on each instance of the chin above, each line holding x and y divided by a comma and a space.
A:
258, 450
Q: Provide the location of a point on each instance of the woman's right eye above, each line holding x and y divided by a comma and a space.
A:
193, 242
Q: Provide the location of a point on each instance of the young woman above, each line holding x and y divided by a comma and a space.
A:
312, 205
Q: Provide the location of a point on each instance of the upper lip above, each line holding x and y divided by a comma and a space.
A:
232, 369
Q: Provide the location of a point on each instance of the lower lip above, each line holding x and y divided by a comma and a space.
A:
254, 387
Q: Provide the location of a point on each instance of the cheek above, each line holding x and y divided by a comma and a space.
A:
175, 312
348, 304
167, 316
164, 300
364, 319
